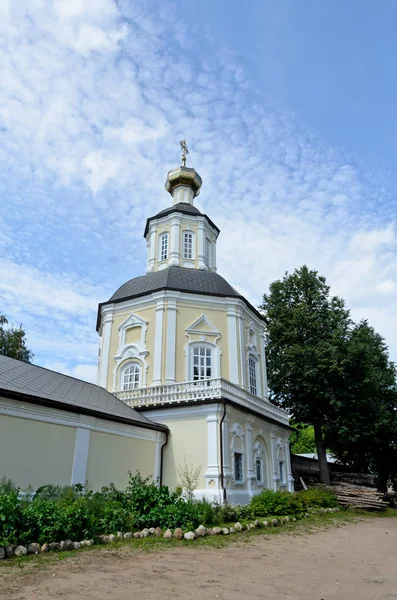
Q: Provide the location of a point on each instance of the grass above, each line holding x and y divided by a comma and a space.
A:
308, 526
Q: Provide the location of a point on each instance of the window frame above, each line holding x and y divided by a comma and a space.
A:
241, 455
137, 380
253, 375
208, 353
208, 253
163, 247
187, 233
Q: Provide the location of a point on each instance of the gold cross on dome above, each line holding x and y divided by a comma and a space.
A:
185, 151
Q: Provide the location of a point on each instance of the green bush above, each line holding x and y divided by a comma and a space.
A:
317, 498
10, 517
270, 502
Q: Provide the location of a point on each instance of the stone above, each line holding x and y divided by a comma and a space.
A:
216, 531
286, 519
45, 548
20, 551
189, 535
104, 539
232, 530
2, 552
307, 515
137, 535
152, 530
275, 523
127, 536
167, 534
266, 523
256, 523
53, 546
251, 526
89, 542
145, 532
157, 532
225, 531
9, 550
119, 535
200, 531
112, 538
238, 526
178, 533
76, 545
34, 548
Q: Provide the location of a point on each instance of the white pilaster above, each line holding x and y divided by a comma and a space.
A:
152, 248
107, 320
158, 339
212, 471
226, 453
159, 441
249, 453
243, 363
80, 458
200, 246
290, 477
265, 390
183, 193
274, 461
233, 348
171, 337
175, 253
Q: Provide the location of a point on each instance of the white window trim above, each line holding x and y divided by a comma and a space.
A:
193, 256
215, 356
208, 255
162, 236
256, 360
260, 452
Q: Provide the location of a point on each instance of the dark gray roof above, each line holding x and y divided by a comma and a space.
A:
180, 279
181, 207
33, 383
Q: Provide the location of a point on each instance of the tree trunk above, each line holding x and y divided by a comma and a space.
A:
322, 457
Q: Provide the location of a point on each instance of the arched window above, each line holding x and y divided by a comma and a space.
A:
253, 374
237, 448
163, 246
188, 245
130, 377
260, 462
207, 252
202, 363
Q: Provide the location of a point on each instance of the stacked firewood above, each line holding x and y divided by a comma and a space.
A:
359, 496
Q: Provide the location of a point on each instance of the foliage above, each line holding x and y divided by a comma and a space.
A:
270, 502
13, 342
363, 430
189, 476
306, 331
216, 514
302, 439
10, 515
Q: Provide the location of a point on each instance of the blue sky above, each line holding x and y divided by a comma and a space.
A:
289, 112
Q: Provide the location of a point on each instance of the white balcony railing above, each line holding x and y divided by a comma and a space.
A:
196, 391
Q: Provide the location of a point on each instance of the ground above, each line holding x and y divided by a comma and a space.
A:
348, 561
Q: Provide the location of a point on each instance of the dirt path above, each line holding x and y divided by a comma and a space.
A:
353, 562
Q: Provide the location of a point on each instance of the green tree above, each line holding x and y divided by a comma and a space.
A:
302, 439
306, 332
13, 342
363, 430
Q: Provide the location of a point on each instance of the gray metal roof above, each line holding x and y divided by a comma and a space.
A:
21, 379
176, 278
180, 279
180, 207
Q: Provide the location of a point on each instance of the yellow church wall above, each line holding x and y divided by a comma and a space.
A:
147, 314
187, 438
187, 315
133, 335
34, 452
110, 457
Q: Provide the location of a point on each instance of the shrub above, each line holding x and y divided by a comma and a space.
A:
318, 498
10, 516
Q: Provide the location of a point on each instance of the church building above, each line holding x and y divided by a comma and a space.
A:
184, 349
